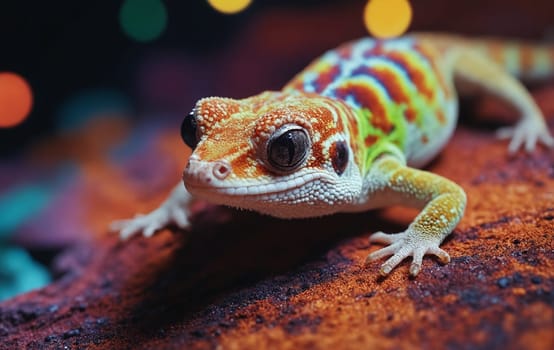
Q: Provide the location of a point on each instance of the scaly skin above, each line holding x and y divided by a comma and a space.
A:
346, 135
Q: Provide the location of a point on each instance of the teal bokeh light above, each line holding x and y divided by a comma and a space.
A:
91, 104
19, 273
143, 20
19, 205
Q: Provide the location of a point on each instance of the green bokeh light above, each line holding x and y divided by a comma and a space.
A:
143, 20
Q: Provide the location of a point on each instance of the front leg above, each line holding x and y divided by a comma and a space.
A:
174, 210
443, 204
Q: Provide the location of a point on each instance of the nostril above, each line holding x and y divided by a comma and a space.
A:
221, 170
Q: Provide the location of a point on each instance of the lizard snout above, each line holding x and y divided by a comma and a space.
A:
204, 173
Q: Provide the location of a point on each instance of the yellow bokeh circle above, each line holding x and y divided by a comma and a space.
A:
229, 6
387, 18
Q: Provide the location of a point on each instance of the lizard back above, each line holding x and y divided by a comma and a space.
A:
399, 88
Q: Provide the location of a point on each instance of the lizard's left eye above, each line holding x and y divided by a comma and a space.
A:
188, 131
287, 149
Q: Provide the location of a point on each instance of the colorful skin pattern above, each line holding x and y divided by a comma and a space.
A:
347, 134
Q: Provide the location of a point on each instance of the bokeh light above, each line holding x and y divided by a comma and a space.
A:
20, 273
387, 18
16, 99
92, 104
20, 204
143, 20
229, 6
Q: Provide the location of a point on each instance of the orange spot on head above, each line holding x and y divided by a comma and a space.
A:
424, 139
246, 166
16, 99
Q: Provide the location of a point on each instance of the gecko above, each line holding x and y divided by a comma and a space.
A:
351, 133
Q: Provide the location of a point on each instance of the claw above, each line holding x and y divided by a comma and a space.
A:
417, 262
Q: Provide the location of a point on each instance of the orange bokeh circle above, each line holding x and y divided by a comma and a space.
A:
16, 99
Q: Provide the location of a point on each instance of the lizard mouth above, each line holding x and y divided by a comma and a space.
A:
246, 190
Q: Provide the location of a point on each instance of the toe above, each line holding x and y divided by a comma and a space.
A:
381, 253
505, 133
150, 230
417, 262
443, 256
381, 237
530, 142
118, 225
127, 232
547, 140
180, 218
516, 142
394, 260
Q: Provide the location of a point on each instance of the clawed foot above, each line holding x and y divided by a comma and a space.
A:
403, 245
150, 223
526, 133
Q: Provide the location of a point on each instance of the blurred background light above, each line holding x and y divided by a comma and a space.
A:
387, 18
16, 99
143, 20
229, 6
91, 104
20, 204
19, 273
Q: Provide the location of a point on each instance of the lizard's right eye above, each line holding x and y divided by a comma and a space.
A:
188, 131
287, 149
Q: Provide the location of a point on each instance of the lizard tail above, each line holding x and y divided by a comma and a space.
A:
524, 59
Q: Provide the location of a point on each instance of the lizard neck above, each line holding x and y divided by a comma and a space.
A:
369, 138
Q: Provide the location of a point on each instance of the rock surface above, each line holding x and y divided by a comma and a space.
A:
244, 281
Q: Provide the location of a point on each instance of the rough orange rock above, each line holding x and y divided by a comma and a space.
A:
241, 280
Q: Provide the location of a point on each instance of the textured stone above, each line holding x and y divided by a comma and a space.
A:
250, 281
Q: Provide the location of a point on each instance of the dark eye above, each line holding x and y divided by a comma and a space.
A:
188, 131
287, 150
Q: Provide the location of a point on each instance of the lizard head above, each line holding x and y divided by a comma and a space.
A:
283, 154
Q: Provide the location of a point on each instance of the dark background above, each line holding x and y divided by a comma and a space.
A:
63, 47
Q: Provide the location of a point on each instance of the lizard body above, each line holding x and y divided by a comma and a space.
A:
347, 134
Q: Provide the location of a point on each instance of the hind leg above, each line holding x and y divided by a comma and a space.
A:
531, 128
